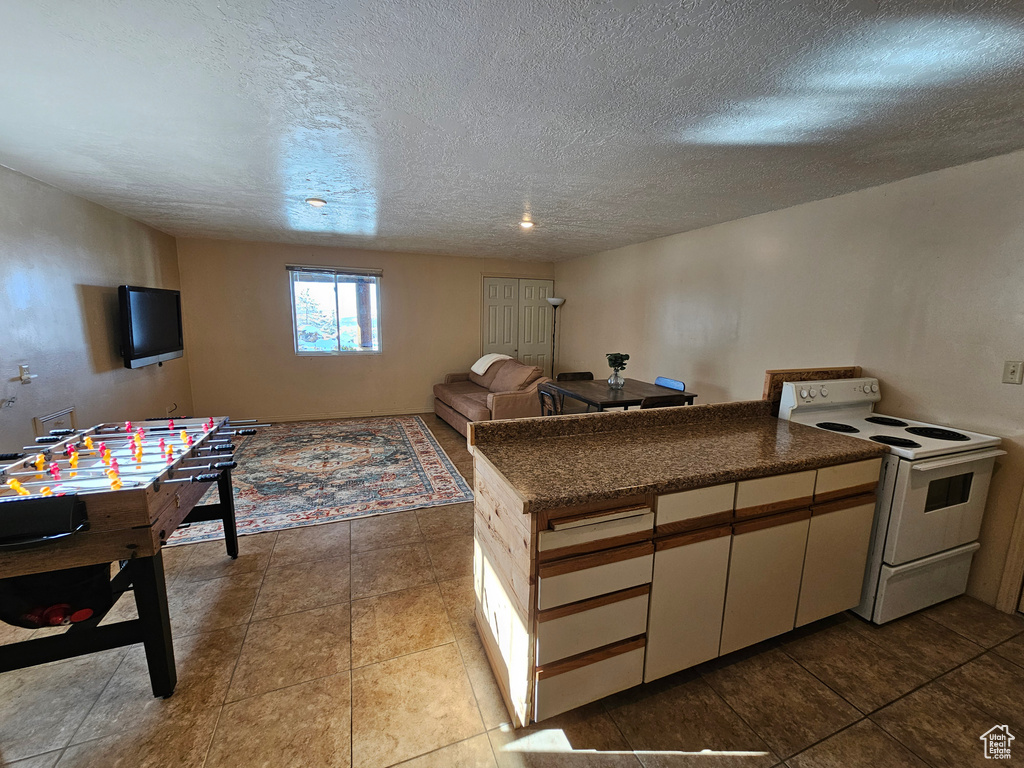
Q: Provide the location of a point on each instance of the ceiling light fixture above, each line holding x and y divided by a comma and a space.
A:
316, 202
526, 224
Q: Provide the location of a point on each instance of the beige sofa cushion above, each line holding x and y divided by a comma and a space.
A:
513, 376
447, 393
473, 405
488, 377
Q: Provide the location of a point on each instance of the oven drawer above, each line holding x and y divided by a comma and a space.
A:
699, 508
574, 682
574, 629
579, 578
846, 480
594, 532
778, 493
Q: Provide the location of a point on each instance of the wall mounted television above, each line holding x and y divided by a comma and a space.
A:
150, 325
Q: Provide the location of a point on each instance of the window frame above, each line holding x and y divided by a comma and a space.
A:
336, 272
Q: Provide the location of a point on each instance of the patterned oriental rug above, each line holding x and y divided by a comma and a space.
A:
314, 472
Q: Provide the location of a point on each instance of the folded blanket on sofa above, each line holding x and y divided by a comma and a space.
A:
480, 366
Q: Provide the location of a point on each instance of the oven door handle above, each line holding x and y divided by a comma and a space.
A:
952, 461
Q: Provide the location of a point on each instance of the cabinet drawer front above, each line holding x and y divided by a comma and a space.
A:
696, 508
764, 584
596, 623
837, 553
767, 495
687, 600
601, 533
847, 479
575, 579
592, 680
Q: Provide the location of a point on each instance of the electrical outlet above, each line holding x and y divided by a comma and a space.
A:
1013, 372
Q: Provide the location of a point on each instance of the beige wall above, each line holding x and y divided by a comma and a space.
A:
921, 282
61, 260
238, 330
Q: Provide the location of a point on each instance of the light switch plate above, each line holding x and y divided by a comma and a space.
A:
1013, 372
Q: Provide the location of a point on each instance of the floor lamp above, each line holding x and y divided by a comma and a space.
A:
555, 304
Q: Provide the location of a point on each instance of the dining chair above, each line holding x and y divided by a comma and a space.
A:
549, 401
575, 376
663, 401
664, 381
572, 376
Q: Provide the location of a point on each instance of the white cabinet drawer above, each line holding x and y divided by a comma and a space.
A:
586, 576
574, 629
837, 553
847, 480
595, 533
687, 600
764, 579
767, 495
573, 683
699, 508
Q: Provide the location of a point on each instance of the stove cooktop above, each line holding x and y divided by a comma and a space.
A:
845, 406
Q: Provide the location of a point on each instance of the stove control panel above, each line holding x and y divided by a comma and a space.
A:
833, 393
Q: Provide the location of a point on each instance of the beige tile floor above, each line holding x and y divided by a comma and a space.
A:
354, 644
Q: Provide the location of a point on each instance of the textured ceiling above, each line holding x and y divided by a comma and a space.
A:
435, 125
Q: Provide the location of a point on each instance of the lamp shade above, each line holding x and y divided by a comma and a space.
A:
555, 302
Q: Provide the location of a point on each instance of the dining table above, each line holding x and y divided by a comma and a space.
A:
597, 394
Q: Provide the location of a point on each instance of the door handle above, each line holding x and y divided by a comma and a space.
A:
952, 461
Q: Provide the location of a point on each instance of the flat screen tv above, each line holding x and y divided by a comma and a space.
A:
150, 325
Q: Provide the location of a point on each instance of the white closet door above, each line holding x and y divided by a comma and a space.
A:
535, 323
501, 316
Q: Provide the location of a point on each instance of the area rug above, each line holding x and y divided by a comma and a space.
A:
315, 472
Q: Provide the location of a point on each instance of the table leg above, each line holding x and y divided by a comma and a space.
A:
227, 503
147, 575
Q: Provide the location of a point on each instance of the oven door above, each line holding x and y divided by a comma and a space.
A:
937, 504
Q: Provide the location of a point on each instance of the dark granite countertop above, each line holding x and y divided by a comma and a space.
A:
570, 460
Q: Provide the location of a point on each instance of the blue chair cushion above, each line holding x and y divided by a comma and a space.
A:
661, 381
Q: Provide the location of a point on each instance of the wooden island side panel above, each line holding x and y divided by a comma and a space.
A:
503, 576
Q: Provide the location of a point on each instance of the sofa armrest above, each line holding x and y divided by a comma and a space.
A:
517, 404
453, 377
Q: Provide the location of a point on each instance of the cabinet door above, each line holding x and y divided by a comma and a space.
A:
837, 553
764, 578
684, 626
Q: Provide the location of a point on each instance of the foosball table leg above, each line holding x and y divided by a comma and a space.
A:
151, 600
227, 503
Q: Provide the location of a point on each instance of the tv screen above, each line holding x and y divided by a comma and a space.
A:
150, 325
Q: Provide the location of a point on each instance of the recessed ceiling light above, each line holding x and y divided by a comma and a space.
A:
316, 202
526, 224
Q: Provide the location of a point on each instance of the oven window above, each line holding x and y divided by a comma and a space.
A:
948, 492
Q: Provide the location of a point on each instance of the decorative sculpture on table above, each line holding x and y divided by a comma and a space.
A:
617, 361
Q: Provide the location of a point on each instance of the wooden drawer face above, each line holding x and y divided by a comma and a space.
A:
595, 533
847, 479
591, 680
837, 553
596, 623
580, 578
764, 583
767, 495
696, 508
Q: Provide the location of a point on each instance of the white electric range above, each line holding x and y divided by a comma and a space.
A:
931, 495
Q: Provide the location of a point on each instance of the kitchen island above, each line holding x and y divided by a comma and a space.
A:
615, 548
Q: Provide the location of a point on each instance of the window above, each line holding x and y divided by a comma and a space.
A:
335, 311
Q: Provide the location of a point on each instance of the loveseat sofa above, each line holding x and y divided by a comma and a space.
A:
507, 390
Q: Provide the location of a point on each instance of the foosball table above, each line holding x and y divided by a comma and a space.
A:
81, 500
